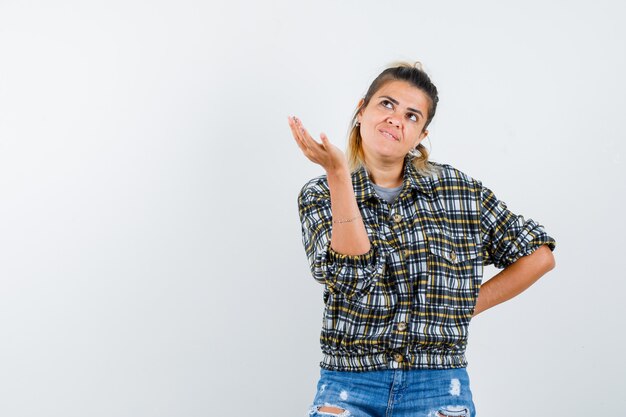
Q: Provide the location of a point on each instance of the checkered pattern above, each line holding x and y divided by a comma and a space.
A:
407, 302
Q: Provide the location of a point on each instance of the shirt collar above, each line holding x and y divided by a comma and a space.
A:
413, 180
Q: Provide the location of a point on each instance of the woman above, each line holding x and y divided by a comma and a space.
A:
399, 243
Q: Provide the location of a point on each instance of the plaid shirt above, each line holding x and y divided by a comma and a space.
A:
407, 303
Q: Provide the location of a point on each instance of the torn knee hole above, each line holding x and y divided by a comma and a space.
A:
458, 411
330, 410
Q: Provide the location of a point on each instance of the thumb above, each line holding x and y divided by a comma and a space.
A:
324, 138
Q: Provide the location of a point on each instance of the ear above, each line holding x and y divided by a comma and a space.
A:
421, 138
358, 106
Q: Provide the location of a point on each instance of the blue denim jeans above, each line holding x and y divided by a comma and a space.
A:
394, 393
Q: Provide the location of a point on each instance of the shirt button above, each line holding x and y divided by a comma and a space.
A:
502, 204
405, 253
401, 326
397, 357
452, 256
397, 218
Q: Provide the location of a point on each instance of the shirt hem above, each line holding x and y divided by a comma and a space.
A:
383, 361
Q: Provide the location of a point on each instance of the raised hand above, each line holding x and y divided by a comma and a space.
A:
330, 157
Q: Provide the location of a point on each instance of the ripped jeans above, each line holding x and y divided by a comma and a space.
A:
394, 393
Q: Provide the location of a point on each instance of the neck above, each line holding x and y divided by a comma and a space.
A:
385, 174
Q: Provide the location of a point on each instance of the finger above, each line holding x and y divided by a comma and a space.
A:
297, 137
296, 130
307, 138
325, 141
308, 152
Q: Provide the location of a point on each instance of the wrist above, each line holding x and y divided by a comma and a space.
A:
339, 171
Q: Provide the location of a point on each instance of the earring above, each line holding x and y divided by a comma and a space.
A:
357, 124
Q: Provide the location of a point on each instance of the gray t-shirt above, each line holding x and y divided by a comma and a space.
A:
388, 194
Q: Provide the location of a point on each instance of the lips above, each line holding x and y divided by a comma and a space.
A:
389, 134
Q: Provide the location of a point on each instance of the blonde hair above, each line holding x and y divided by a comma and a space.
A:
415, 75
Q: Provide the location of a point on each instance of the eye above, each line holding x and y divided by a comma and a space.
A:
413, 117
387, 103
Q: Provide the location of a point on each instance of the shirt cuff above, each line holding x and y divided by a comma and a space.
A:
363, 260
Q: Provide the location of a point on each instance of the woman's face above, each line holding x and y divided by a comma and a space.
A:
392, 122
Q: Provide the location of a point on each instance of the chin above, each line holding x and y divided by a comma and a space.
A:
387, 156
385, 150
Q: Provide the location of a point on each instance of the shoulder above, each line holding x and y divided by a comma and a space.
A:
447, 176
315, 188
318, 187
446, 171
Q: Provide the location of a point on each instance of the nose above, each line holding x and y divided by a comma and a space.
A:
393, 121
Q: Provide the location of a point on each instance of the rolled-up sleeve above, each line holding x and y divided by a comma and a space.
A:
506, 236
349, 274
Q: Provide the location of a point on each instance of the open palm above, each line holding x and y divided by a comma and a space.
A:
325, 153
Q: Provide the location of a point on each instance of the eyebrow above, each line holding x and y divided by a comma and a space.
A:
396, 102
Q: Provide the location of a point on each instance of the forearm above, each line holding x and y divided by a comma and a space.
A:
348, 237
514, 279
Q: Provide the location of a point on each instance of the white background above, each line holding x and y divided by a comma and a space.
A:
151, 261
